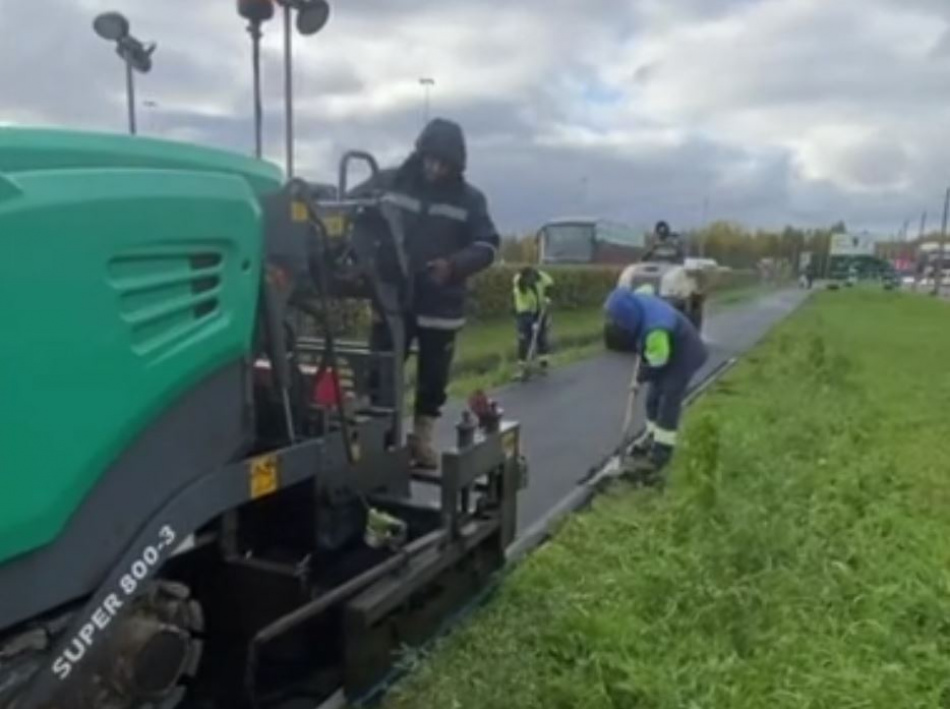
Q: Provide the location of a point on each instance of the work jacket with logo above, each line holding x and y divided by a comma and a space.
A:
448, 221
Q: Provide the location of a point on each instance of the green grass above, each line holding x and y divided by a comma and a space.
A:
799, 558
489, 339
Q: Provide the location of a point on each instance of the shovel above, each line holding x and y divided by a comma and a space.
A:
626, 434
533, 347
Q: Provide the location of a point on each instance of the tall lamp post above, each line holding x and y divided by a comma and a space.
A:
426, 83
256, 12
136, 55
312, 15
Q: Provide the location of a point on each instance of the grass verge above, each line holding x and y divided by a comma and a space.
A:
799, 558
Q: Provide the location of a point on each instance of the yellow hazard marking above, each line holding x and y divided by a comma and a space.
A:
355, 448
509, 443
265, 476
299, 211
335, 225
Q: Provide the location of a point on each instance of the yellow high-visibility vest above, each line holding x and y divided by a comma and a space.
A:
530, 299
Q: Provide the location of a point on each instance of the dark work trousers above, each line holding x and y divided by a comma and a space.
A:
667, 390
525, 326
434, 363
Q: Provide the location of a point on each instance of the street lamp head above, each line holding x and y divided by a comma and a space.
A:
312, 16
137, 54
256, 11
111, 26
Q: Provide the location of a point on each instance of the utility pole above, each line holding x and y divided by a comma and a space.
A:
427, 83
136, 55
923, 225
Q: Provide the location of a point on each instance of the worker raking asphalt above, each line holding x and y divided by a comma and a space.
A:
570, 420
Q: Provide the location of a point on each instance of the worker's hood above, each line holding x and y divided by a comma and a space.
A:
444, 140
624, 310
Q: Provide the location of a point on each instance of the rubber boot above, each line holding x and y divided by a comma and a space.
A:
421, 451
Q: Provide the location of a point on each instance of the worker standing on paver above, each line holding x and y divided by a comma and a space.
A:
450, 237
670, 351
531, 289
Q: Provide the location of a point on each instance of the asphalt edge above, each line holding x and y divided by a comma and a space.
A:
588, 487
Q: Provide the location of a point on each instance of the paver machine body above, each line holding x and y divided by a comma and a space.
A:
182, 523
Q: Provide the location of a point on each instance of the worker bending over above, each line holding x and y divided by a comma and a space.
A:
449, 237
671, 351
532, 300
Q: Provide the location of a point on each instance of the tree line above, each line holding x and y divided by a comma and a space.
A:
728, 242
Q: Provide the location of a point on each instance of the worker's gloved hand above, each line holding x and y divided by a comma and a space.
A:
440, 271
647, 373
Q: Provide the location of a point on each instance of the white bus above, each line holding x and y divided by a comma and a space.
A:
586, 240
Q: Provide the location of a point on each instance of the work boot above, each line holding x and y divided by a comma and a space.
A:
647, 470
641, 472
521, 372
422, 454
544, 363
642, 446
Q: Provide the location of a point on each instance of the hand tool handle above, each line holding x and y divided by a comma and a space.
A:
631, 402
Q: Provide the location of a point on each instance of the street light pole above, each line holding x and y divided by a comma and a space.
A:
135, 55
705, 225
427, 83
130, 93
312, 15
256, 12
289, 90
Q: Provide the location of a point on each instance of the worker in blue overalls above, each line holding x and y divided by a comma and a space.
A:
671, 351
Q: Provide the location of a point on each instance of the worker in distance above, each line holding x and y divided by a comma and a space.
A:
531, 288
667, 246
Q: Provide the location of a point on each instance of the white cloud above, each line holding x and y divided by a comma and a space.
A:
784, 110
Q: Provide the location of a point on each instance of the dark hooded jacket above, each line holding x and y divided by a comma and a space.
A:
448, 220
668, 250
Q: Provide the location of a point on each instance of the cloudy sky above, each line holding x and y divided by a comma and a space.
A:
778, 111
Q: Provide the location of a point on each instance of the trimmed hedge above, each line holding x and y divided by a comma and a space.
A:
576, 287
490, 293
